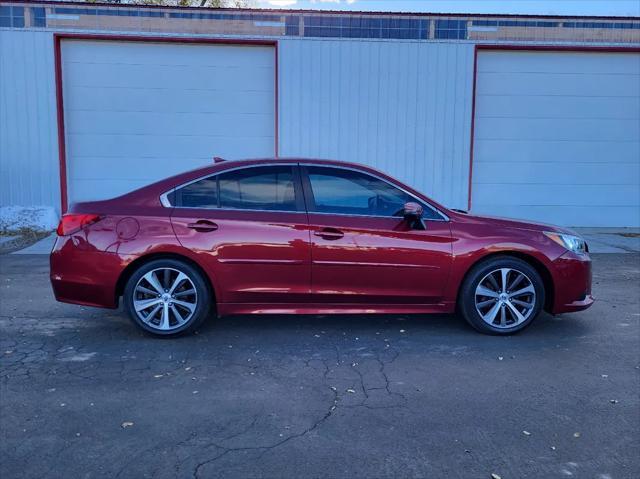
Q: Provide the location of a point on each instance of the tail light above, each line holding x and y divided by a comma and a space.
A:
71, 223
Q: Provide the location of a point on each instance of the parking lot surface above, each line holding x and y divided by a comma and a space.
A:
85, 394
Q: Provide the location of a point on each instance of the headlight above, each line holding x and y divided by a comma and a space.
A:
571, 242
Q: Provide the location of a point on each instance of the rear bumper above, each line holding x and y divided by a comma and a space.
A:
82, 274
572, 279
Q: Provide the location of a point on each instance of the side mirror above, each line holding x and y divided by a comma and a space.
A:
413, 215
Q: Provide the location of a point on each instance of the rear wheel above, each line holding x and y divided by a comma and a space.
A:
502, 295
167, 297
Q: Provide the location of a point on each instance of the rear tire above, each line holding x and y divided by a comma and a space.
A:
501, 295
167, 297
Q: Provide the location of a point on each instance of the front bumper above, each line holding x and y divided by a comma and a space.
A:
82, 274
577, 305
572, 279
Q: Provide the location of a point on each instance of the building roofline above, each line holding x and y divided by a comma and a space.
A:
324, 12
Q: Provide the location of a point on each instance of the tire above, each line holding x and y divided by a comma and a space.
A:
167, 289
483, 299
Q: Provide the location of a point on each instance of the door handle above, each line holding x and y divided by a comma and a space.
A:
329, 233
203, 226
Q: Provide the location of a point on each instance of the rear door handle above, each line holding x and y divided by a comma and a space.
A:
203, 226
329, 234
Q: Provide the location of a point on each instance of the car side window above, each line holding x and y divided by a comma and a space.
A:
259, 188
200, 194
267, 188
342, 191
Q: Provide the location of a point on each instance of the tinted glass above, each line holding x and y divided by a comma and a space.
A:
340, 191
260, 188
351, 192
201, 194
38, 17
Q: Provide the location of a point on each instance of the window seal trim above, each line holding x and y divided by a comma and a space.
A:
241, 209
164, 200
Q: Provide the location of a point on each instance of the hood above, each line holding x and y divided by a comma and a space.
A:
511, 223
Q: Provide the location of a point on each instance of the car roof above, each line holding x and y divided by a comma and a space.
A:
285, 160
220, 166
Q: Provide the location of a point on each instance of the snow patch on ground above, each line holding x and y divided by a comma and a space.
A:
38, 218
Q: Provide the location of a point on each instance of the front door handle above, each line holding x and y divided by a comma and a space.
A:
203, 226
329, 234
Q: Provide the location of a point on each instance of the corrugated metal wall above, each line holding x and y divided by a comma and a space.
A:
403, 107
29, 174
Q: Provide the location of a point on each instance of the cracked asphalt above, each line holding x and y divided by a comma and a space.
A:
85, 394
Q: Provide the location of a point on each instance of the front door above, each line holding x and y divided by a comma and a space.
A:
251, 230
362, 249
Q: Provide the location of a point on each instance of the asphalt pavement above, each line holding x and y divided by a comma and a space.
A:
83, 393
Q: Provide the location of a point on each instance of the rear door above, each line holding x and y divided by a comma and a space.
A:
363, 251
250, 227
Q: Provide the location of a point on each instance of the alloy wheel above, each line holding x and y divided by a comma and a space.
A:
165, 298
505, 298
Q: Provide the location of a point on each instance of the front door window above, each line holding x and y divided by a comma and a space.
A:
348, 192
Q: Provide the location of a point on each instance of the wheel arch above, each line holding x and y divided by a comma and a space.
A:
539, 266
128, 271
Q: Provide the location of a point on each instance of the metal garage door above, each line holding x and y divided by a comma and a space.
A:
557, 137
136, 112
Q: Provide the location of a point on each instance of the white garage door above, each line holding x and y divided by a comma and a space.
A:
557, 137
136, 112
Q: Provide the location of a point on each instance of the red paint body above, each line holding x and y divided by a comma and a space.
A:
293, 262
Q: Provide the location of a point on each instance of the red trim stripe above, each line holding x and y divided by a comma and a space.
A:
473, 122
62, 155
277, 106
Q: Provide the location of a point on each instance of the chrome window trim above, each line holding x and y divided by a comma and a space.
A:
444, 217
350, 215
240, 209
165, 201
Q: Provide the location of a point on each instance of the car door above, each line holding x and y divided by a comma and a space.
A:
250, 227
363, 250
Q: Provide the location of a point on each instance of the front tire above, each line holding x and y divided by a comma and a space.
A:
167, 297
501, 295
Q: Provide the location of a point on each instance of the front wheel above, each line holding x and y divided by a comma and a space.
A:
167, 297
501, 296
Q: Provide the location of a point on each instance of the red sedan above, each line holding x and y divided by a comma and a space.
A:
309, 236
